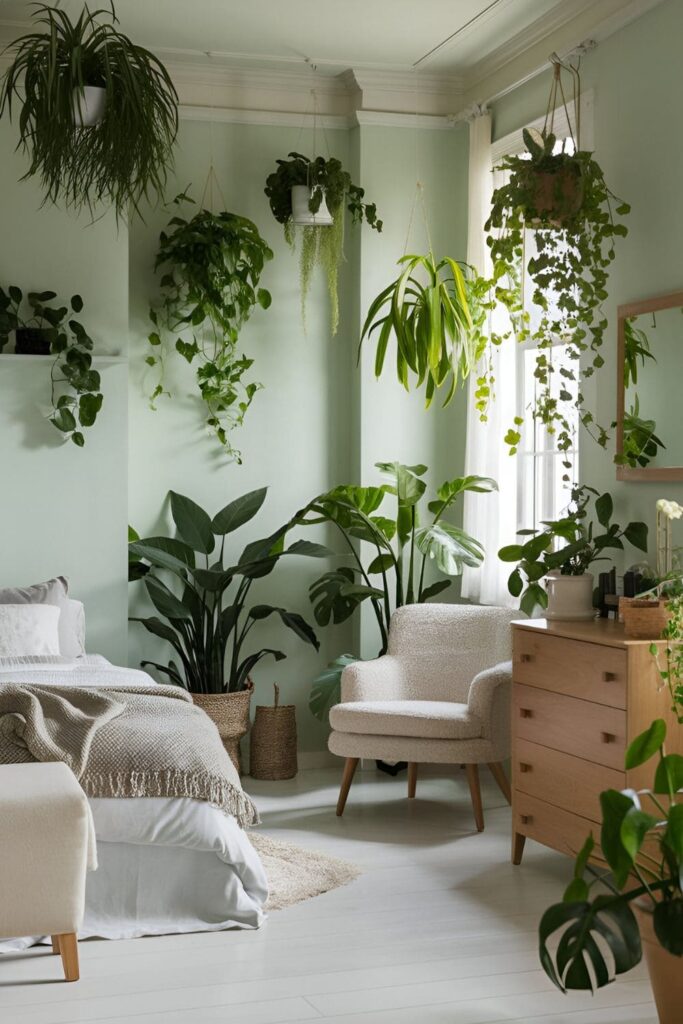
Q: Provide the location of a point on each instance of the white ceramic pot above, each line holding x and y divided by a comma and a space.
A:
301, 213
569, 597
88, 105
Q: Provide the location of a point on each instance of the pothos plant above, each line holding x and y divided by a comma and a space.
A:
320, 245
211, 268
562, 200
75, 386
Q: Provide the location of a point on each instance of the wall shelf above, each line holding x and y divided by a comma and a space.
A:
14, 357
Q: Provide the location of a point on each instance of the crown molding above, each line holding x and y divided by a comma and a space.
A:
392, 119
273, 118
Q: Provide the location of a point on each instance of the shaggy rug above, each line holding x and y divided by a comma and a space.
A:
295, 874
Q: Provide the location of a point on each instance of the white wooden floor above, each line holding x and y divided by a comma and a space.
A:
440, 929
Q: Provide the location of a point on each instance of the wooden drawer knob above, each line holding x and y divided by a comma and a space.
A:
608, 737
526, 657
526, 713
525, 819
609, 677
523, 767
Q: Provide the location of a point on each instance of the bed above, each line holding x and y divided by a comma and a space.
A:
166, 864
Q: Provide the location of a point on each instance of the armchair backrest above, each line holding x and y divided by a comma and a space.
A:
444, 646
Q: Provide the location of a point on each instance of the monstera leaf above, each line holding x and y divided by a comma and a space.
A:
326, 689
449, 547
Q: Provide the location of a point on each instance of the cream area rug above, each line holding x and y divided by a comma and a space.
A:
295, 874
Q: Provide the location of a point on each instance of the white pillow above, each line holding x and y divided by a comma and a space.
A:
72, 629
28, 629
54, 592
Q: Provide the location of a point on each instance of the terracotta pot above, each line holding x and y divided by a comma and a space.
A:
230, 712
645, 620
666, 970
556, 197
570, 598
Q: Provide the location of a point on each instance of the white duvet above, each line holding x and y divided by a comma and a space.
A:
164, 864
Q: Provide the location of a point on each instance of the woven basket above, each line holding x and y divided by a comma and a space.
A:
645, 620
230, 712
273, 741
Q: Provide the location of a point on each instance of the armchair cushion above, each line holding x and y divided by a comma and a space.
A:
426, 719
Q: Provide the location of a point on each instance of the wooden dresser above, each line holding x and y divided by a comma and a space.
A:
581, 692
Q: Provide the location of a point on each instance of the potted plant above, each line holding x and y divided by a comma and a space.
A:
436, 313
98, 114
558, 194
52, 330
314, 194
562, 553
401, 551
211, 268
204, 609
642, 843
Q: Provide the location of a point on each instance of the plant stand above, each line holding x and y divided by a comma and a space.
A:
273, 741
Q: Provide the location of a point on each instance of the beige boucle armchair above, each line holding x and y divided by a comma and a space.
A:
441, 694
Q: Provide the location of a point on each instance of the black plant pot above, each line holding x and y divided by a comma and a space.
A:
32, 341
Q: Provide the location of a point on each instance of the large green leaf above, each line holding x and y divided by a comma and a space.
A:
646, 745
193, 523
326, 688
669, 774
449, 547
309, 549
292, 620
329, 603
451, 489
183, 552
434, 590
668, 924
238, 512
636, 534
615, 807
165, 602
407, 484
158, 557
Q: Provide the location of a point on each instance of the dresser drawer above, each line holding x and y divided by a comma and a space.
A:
562, 779
586, 730
593, 672
551, 825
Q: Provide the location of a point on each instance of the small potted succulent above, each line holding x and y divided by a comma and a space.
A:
642, 842
314, 194
562, 554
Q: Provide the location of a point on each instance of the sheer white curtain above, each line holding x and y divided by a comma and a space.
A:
491, 518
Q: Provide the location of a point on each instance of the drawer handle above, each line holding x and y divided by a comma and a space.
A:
526, 819
526, 713
608, 737
609, 677
526, 657
524, 767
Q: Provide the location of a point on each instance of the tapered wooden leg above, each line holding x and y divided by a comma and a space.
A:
412, 779
475, 793
68, 947
518, 841
55, 944
501, 778
347, 779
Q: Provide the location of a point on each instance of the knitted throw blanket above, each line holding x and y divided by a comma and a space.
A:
137, 742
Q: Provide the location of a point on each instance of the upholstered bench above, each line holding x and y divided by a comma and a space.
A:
47, 843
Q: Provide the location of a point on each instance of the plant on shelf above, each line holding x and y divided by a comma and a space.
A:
436, 313
98, 114
641, 841
211, 268
567, 547
400, 551
315, 193
75, 386
560, 198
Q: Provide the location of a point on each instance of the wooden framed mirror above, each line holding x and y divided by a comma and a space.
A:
649, 400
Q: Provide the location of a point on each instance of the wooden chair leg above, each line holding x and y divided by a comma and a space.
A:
68, 947
501, 778
347, 779
475, 793
412, 779
55, 944
518, 841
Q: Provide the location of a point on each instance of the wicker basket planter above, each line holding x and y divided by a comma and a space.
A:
273, 741
643, 619
230, 712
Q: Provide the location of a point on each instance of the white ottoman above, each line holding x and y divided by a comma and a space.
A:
47, 843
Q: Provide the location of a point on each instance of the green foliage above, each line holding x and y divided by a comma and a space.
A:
399, 549
644, 853
564, 200
669, 657
640, 443
320, 245
204, 610
75, 391
211, 268
122, 159
437, 324
636, 349
570, 544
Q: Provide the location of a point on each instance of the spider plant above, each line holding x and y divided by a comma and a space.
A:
125, 156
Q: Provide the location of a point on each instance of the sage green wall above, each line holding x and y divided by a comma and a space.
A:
63, 510
637, 87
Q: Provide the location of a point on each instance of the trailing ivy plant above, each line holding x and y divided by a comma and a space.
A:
562, 199
211, 268
436, 313
121, 159
75, 386
319, 244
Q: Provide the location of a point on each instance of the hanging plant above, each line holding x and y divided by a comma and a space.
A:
562, 199
436, 313
313, 194
75, 386
98, 114
211, 267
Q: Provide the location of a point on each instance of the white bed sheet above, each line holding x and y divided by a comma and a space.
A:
166, 865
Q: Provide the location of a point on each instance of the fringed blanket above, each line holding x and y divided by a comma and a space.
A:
134, 742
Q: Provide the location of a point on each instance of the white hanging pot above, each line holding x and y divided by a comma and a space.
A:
88, 105
301, 214
569, 597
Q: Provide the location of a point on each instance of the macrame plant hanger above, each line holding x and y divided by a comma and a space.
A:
212, 181
557, 93
419, 193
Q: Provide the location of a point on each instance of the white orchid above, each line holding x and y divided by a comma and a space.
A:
671, 509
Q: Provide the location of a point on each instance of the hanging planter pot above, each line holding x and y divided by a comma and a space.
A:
302, 196
88, 105
555, 196
570, 598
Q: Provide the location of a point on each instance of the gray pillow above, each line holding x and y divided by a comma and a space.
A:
52, 592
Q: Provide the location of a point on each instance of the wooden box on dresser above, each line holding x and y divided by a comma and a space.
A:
581, 692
